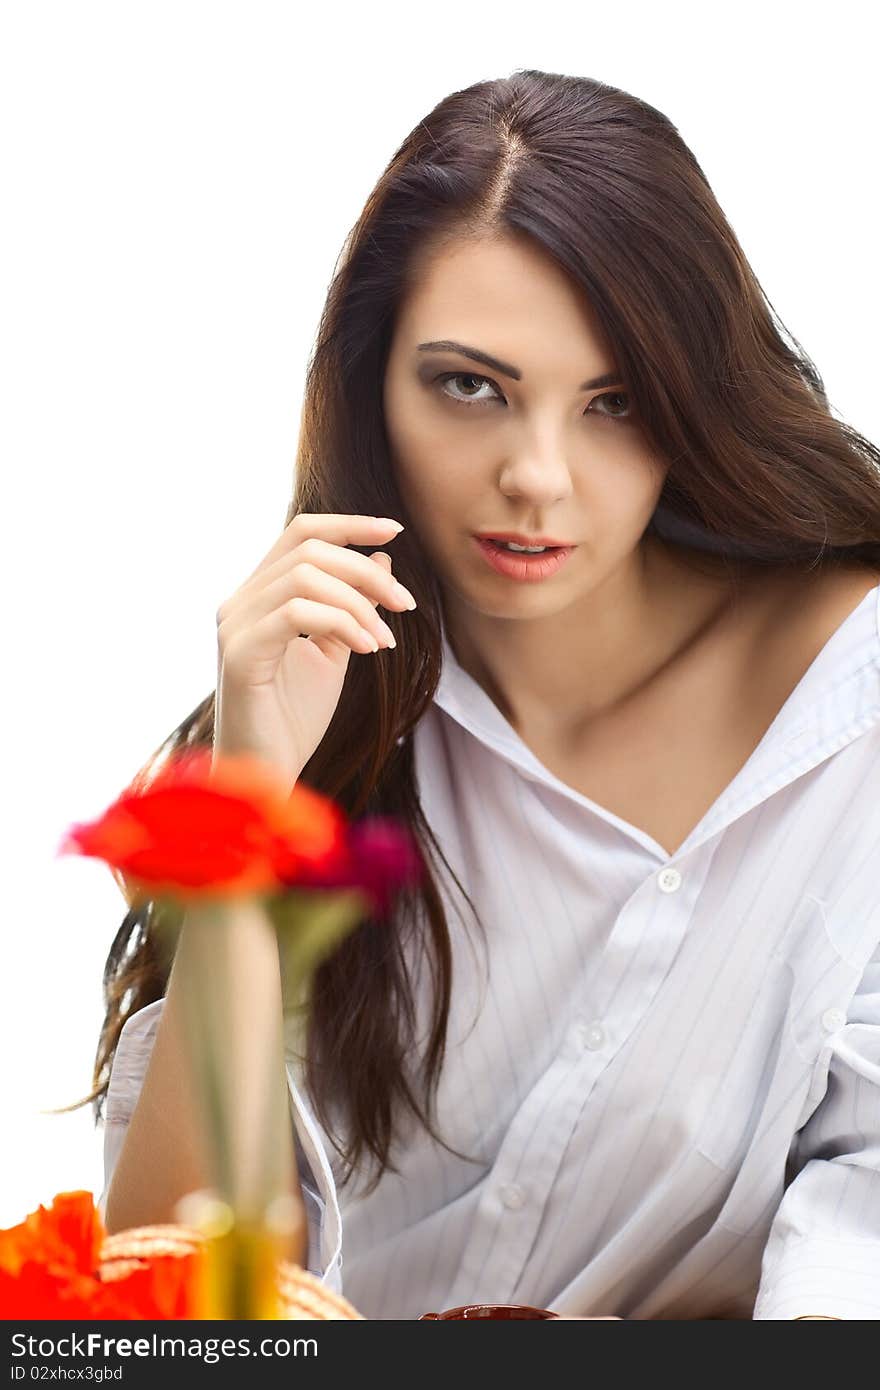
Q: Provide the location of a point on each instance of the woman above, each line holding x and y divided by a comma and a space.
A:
638, 1077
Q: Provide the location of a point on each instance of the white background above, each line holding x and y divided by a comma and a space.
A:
177, 180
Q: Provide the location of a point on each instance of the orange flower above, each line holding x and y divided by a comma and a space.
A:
212, 829
50, 1268
67, 1234
164, 1286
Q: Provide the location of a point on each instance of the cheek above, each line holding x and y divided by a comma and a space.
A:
435, 497
620, 502
417, 453
430, 468
629, 485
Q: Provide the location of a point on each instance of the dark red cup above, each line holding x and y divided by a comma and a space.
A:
492, 1310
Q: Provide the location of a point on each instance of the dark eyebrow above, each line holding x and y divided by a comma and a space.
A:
447, 345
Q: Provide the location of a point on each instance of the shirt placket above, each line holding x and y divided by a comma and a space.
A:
645, 939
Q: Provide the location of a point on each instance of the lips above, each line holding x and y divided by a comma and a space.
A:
518, 565
549, 541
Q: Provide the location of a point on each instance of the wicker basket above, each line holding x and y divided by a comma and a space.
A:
302, 1295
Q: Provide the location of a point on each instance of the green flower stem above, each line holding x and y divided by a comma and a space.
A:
248, 964
236, 1041
233, 1025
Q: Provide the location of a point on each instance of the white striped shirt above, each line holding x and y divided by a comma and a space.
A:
668, 1083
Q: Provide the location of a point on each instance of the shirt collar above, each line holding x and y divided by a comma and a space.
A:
836, 700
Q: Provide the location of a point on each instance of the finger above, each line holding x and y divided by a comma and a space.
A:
339, 528
274, 631
381, 557
362, 572
309, 583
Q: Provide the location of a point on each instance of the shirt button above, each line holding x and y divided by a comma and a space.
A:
832, 1019
591, 1035
512, 1196
669, 880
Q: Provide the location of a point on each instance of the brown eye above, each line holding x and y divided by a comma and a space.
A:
469, 377
615, 414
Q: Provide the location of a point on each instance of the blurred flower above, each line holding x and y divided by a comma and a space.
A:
67, 1235
50, 1267
200, 833
203, 829
376, 856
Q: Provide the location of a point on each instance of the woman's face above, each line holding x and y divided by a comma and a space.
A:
528, 447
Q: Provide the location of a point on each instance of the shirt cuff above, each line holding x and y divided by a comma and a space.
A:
837, 1278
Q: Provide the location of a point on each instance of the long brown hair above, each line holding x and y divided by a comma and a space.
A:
605, 185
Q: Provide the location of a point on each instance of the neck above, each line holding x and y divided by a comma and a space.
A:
555, 672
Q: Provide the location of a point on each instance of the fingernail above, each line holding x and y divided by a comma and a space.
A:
389, 521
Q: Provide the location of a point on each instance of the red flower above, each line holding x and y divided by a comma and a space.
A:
163, 1286
68, 1235
202, 828
50, 1267
199, 830
377, 855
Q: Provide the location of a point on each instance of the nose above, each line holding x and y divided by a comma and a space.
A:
537, 476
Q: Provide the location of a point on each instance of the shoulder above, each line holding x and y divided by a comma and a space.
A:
848, 584
805, 609
786, 621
